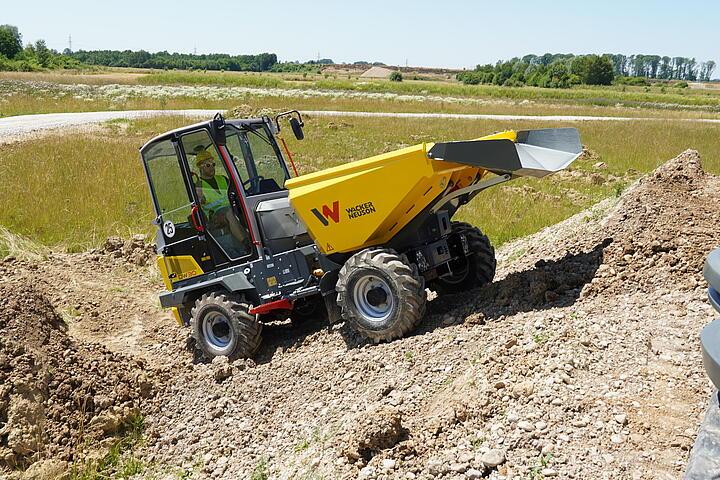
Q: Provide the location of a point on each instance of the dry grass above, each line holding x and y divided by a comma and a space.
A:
27, 93
32, 103
19, 247
75, 190
93, 77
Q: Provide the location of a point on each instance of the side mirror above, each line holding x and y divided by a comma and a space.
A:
296, 123
297, 128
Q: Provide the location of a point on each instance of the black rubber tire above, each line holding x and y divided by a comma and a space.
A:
403, 283
477, 269
233, 323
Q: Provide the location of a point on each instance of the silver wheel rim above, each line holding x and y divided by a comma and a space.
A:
374, 312
216, 330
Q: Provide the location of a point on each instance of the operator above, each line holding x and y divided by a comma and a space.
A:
212, 191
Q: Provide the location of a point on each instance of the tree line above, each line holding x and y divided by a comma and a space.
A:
560, 70
181, 61
667, 68
34, 56
37, 56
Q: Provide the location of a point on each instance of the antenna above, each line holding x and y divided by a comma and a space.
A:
70, 42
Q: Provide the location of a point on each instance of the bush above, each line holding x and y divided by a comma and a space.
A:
681, 85
633, 81
396, 77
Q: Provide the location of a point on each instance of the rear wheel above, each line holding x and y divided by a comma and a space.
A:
381, 294
474, 270
222, 326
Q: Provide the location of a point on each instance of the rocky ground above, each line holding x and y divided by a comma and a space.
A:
581, 360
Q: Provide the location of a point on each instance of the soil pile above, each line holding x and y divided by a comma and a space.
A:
662, 232
581, 360
56, 394
135, 251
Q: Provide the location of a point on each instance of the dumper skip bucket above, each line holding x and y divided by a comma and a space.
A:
367, 202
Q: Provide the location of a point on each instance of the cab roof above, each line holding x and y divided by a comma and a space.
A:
204, 124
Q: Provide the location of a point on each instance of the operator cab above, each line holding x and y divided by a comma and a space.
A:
218, 188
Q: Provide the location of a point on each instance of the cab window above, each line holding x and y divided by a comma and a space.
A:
257, 160
172, 199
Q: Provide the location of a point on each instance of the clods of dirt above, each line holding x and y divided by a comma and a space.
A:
56, 394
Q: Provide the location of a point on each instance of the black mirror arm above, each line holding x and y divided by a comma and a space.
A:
288, 113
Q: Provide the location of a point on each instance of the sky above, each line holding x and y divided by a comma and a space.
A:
439, 33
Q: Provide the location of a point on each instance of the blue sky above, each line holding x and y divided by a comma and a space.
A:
449, 33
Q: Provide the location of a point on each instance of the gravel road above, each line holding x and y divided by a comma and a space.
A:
23, 124
11, 127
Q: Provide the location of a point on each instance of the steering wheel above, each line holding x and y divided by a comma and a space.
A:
253, 184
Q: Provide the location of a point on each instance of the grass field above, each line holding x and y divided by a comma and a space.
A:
601, 95
72, 191
22, 93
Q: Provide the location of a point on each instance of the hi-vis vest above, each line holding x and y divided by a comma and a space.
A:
214, 199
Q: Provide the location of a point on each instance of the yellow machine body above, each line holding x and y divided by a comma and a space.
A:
367, 202
176, 268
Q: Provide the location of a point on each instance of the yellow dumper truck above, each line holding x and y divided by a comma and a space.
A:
242, 239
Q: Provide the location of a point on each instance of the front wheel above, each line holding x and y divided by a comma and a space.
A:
222, 326
381, 294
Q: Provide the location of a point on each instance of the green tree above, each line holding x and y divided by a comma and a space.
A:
396, 77
10, 41
599, 70
557, 76
43, 54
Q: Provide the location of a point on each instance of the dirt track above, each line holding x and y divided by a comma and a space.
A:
580, 361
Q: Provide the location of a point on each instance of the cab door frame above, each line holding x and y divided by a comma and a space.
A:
239, 207
191, 245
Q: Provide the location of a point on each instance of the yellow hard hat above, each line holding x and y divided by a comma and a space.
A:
202, 156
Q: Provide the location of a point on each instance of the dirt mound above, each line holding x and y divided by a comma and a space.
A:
657, 236
662, 231
136, 250
684, 169
373, 431
54, 393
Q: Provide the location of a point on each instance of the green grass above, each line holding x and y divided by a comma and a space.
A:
119, 461
261, 470
73, 191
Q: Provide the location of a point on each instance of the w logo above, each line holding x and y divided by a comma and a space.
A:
328, 213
